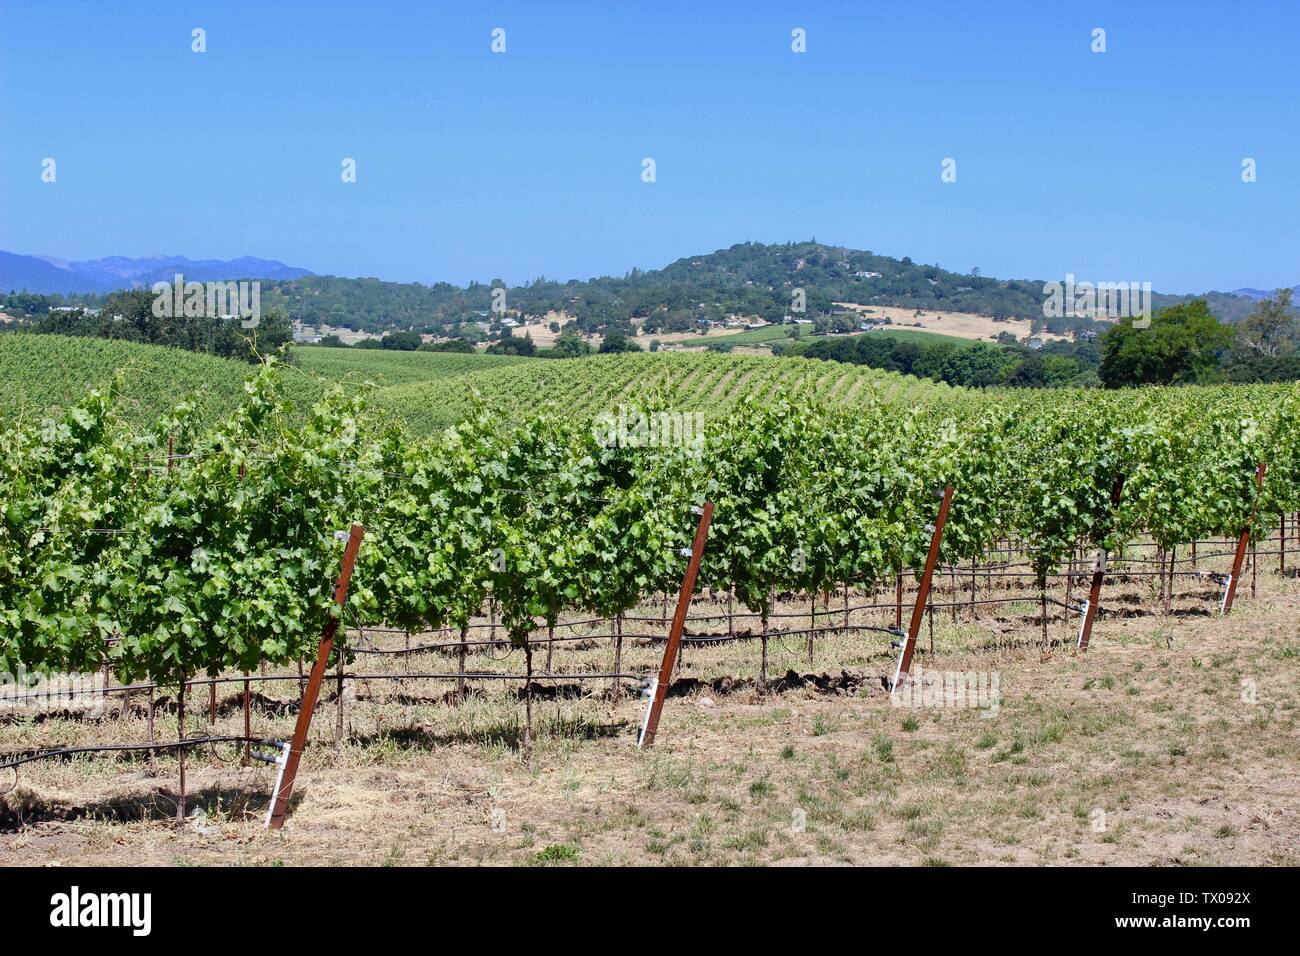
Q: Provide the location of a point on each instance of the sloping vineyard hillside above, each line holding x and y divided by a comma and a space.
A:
43, 374
704, 382
386, 367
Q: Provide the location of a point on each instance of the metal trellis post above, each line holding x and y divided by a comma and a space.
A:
660, 689
1243, 541
923, 593
284, 784
1098, 573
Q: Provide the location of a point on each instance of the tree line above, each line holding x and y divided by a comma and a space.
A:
1184, 344
129, 317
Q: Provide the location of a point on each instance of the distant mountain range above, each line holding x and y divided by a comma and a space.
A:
1256, 294
48, 275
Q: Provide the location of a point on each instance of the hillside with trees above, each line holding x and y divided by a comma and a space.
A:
129, 317
1184, 344
748, 279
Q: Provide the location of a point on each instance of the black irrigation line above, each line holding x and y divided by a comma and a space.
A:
1076, 608
33, 756
378, 629
1176, 560
1134, 545
493, 675
577, 638
498, 642
775, 615
131, 688
752, 636
100, 693
1085, 572
1034, 598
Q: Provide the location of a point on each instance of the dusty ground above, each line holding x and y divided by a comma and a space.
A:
1173, 741
965, 325
544, 337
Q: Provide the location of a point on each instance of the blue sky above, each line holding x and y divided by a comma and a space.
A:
1124, 165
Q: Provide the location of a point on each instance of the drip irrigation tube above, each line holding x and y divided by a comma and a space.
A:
33, 756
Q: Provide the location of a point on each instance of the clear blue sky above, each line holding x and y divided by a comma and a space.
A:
1117, 166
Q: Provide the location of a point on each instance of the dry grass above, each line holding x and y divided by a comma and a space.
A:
1148, 751
964, 325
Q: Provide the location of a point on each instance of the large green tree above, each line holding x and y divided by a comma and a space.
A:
1180, 346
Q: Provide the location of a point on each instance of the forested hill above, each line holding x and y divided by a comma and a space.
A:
747, 279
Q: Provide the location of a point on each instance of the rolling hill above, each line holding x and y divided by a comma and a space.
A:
426, 391
49, 275
388, 368
43, 373
747, 279
706, 382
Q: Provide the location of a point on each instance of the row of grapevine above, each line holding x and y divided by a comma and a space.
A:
222, 556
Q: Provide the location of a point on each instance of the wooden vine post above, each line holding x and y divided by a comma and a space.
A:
1243, 541
660, 689
923, 593
280, 799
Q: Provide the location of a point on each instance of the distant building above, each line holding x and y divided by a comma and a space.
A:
864, 274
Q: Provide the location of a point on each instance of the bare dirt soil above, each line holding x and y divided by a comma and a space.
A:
1172, 741
964, 325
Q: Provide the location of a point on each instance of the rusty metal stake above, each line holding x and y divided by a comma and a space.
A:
660, 689
1242, 542
923, 593
1098, 573
280, 799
